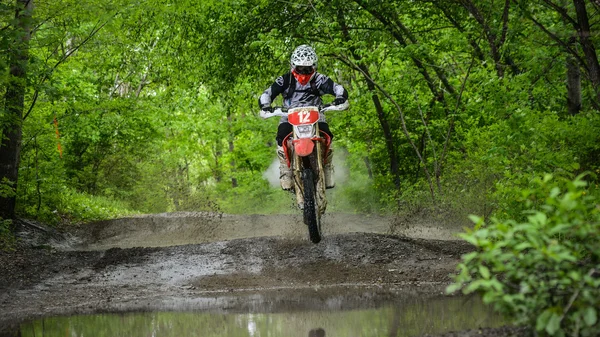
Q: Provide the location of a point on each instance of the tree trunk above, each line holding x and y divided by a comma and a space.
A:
368, 166
234, 182
573, 86
230, 139
14, 100
396, 34
387, 132
457, 24
381, 115
218, 152
587, 45
495, 42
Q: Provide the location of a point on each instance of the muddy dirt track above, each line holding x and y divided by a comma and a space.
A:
204, 261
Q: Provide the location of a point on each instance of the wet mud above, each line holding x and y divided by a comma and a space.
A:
212, 262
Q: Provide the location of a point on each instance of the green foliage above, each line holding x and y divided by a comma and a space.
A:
156, 104
358, 194
502, 156
7, 239
71, 206
7, 188
81, 207
543, 272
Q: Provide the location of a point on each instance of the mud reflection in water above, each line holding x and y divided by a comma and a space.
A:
411, 318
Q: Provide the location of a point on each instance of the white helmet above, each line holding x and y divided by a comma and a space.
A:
304, 56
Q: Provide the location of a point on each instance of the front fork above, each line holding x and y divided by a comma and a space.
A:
314, 160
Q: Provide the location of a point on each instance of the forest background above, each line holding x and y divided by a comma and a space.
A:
117, 107
484, 107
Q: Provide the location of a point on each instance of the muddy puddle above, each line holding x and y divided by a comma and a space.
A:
404, 316
196, 274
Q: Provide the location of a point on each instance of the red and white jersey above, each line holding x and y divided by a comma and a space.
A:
295, 94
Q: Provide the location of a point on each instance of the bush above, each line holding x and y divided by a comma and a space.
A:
7, 239
504, 157
73, 207
544, 272
82, 207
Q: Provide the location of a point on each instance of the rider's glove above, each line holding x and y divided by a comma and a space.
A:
339, 101
266, 111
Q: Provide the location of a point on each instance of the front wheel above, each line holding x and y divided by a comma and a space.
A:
311, 216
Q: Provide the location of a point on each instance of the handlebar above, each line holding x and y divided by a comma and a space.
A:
281, 111
278, 111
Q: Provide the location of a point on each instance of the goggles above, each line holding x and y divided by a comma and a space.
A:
304, 70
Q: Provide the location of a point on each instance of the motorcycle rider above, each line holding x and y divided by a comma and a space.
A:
302, 86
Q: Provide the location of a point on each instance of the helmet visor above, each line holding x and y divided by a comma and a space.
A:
304, 70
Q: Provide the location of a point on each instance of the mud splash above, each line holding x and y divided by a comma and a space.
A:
170, 229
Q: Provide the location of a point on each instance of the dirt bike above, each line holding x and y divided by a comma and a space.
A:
305, 149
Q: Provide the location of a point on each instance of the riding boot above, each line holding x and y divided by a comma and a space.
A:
328, 168
285, 172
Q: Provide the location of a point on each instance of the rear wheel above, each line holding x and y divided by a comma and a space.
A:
311, 216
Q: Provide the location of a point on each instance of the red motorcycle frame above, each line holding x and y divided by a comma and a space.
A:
306, 148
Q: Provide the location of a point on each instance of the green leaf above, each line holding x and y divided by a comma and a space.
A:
590, 316
538, 218
559, 228
554, 192
469, 238
523, 245
553, 324
475, 285
453, 288
477, 220
489, 297
485, 272
579, 183
574, 275
469, 256
542, 320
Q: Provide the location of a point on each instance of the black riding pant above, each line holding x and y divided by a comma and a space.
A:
285, 129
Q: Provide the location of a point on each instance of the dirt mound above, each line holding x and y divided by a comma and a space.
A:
341, 259
116, 256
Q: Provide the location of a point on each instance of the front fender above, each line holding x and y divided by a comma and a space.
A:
303, 147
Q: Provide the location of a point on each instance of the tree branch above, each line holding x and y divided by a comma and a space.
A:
461, 29
563, 12
47, 75
589, 50
552, 35
352, 65
451, 124
436, 163
504, 23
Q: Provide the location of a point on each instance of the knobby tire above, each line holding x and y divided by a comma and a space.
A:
311, 217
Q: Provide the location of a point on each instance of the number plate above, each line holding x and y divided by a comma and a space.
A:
303, 116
